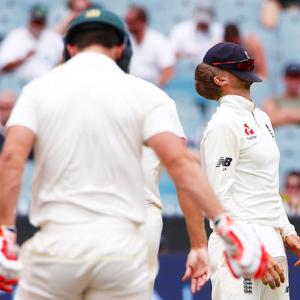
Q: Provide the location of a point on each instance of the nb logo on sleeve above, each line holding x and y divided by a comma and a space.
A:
224, 162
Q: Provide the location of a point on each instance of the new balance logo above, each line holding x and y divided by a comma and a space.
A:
224, 162
247, 283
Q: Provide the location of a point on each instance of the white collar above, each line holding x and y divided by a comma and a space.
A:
96, 59
238, 102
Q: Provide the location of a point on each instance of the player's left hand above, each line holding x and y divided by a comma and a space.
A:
292, 242
197, 268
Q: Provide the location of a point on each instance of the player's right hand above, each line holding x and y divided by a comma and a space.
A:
245, 254
275, 274
197, 268
10, 267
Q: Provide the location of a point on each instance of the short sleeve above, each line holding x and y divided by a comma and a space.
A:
158, 120
174, 39
166, 54
24, 112
176, 120
8, 50
159, 115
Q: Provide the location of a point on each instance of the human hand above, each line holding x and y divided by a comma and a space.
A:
197, 268
275, 274
292, 242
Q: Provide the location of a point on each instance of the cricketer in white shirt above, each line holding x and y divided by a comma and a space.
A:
47, 52
152, 56
241, 159
84, 135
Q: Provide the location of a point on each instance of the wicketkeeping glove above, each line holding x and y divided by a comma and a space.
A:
10, 267
244, 252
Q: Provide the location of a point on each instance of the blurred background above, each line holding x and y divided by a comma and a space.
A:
169, 38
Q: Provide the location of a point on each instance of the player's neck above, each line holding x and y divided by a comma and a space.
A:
101, 50
245, 93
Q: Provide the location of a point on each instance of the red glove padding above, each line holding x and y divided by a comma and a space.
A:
10, 267
244, 252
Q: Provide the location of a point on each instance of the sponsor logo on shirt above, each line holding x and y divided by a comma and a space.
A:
247, 284
271, 131
224, 162
248, 130
287, 289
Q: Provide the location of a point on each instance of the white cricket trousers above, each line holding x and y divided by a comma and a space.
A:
226, 287
153, 228
103, 260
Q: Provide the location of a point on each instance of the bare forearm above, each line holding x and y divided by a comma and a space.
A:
166, 76
10, 185
18, 143
285, 117
12, 65
294, 115
194, 218
193, 185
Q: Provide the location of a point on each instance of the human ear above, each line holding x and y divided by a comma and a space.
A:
119, 51
72, 50
220, 80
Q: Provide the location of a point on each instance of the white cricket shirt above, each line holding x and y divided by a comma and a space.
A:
152, 166
241, 158
48, 50
90, 121
151, 56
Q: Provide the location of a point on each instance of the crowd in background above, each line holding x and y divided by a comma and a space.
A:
32, 50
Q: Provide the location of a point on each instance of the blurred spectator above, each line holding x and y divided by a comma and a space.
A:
31, 51
153, 58
192, 38
74, 8
251, 43
7, 102
285, 109
291, 193
271, 10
